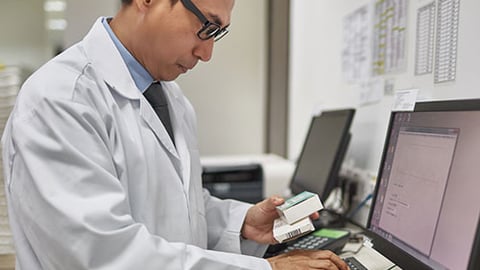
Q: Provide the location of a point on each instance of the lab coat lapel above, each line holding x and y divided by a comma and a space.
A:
178, 122
152, 120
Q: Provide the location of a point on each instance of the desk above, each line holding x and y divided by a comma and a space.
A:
7, 262
368, 256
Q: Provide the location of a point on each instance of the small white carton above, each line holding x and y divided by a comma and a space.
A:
283, 231
299, 207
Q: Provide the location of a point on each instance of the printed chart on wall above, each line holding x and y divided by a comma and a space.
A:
356, 53
446, 42
389, 36
425, 39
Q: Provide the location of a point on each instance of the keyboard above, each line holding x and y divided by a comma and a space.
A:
316, 240
310, 242
354, 264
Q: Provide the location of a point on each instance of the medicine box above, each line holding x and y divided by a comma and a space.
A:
283, 231
299, 207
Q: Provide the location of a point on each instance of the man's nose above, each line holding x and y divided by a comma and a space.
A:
204, 50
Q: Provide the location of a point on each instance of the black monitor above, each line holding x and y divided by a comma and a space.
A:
322, 154
426, 208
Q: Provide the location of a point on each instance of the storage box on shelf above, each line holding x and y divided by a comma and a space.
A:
10, 81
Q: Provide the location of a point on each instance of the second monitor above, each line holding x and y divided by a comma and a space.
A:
322, 154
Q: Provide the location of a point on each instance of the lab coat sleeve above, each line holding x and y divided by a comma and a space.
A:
70, 205
225, 220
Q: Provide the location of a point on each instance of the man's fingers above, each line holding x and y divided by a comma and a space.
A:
315, 215
272, 202
307, 260
277, 200
326, 255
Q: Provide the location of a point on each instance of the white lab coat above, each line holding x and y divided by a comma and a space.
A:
93, 180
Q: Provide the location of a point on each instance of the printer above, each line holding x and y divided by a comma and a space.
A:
243, 182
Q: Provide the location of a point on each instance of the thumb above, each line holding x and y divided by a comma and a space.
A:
272, 202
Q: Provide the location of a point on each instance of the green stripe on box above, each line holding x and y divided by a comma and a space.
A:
296, 200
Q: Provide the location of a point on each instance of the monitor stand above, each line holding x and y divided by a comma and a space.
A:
329, 219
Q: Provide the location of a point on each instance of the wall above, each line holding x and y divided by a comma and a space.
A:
82, 14
23, 37
316, 79
228, 93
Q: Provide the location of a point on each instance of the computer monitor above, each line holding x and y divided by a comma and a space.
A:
425, 209
322, 154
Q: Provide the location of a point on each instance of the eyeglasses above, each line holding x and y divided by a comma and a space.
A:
209, 29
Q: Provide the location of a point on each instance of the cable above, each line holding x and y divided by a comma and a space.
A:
359, 206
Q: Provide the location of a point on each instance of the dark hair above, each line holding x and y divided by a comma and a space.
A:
128, 2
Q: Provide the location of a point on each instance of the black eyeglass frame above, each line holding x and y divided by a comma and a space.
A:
209, 29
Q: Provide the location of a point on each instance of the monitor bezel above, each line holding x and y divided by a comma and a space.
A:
474, 263
296, 188
386, 248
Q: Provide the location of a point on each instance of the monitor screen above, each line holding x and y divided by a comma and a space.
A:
426, 206
322, 154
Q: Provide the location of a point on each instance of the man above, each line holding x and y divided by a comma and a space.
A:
96, 179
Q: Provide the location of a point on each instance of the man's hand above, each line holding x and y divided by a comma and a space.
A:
258, 224
307, 259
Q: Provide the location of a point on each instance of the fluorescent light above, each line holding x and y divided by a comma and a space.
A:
54, 6
57, 24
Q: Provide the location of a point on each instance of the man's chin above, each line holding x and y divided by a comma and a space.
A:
170, 77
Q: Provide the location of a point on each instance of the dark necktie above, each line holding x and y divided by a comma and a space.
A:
155, 95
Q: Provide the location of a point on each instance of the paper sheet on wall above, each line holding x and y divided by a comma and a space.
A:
446, 43
356, 53
405, 100
371, 91
425, 39
389, 36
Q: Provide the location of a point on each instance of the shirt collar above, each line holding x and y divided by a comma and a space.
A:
140, 75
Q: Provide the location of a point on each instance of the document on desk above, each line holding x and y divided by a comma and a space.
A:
373, 260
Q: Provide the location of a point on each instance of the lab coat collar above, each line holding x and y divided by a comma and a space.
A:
105, 58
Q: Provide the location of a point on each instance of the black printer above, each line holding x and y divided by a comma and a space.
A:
243, 182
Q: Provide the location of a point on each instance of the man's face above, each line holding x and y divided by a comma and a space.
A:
168, 45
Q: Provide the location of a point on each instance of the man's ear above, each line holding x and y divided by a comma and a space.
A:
143, 5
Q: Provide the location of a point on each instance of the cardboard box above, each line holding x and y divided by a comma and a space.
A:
283, 231
299, 207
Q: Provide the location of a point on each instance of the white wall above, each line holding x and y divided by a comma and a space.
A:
228, 93
315, 75
23, 36
82, 14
